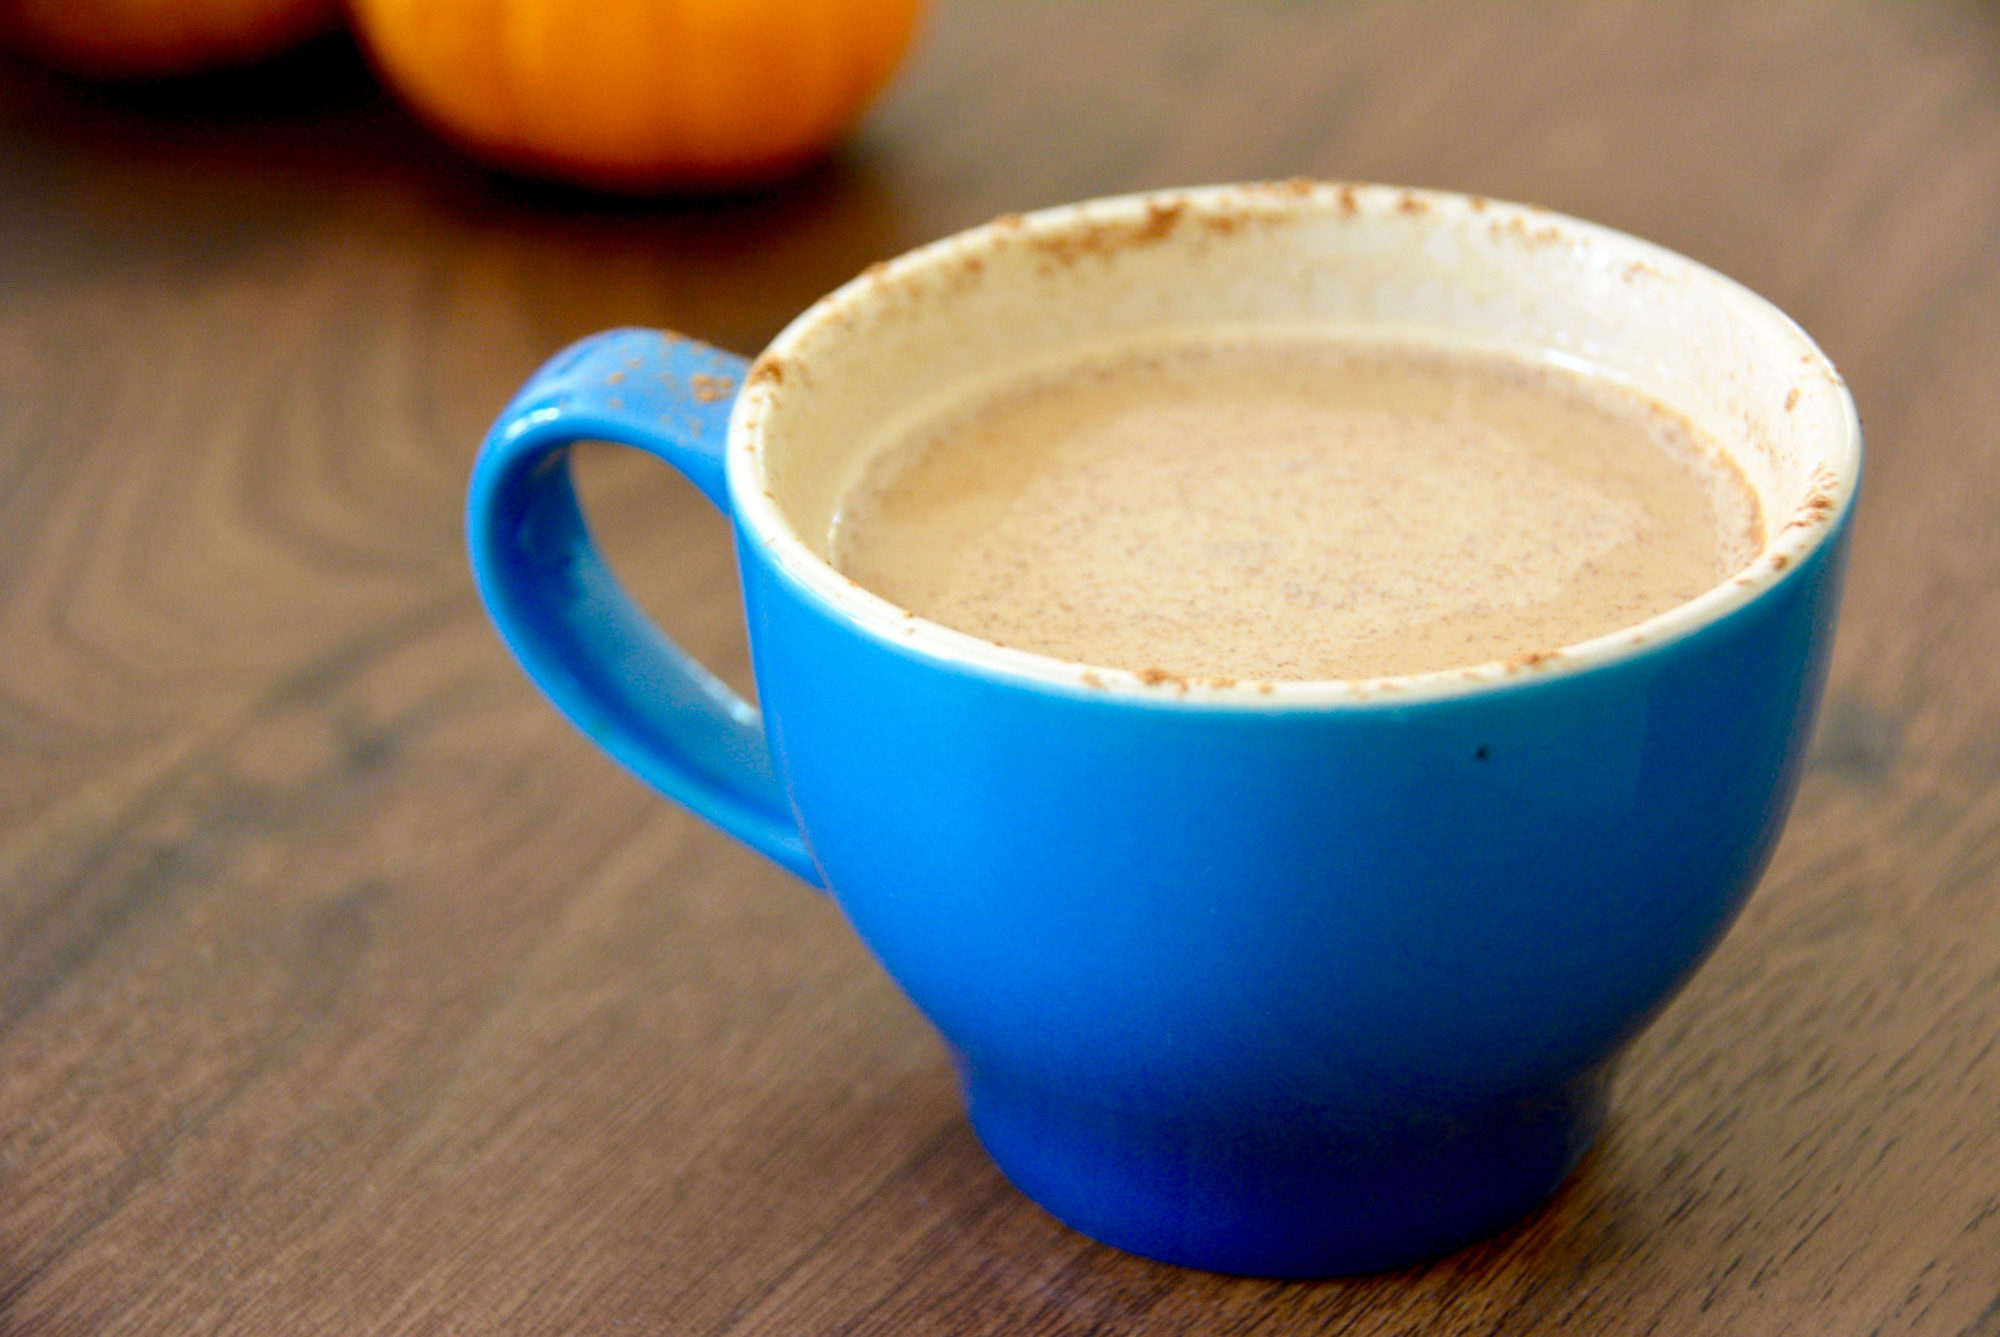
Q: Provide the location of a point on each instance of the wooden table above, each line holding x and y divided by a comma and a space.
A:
344, 989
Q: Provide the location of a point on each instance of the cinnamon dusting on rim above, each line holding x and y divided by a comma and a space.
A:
1517, 229
1259, 207
1161, 218
1106, 239
1533, 659
1818, 506
766, 368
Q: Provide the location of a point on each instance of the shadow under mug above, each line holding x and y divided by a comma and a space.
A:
1284, 979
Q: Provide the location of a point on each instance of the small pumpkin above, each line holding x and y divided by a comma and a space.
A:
639, 95
131, 39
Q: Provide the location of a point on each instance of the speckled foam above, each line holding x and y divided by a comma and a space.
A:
1294, 508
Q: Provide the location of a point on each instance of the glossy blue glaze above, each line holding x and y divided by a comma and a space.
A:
1266, 989
560, 609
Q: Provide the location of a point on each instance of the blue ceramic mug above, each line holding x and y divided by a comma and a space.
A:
1279, 978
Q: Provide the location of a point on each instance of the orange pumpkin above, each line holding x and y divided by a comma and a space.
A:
639, 94
152, 38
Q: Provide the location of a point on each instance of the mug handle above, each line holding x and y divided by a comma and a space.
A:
559, 608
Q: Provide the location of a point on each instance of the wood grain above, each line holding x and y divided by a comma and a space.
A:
344, 989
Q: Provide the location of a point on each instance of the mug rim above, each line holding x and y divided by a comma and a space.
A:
759, 516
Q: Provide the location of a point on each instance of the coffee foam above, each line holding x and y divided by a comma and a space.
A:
1289, 508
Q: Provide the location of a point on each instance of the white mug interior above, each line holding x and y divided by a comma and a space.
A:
1348, 261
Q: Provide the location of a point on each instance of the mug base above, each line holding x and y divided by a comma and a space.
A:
1291, 1200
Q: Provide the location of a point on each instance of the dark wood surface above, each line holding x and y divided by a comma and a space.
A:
344, 989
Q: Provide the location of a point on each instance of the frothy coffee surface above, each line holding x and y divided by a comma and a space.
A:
1295, 509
